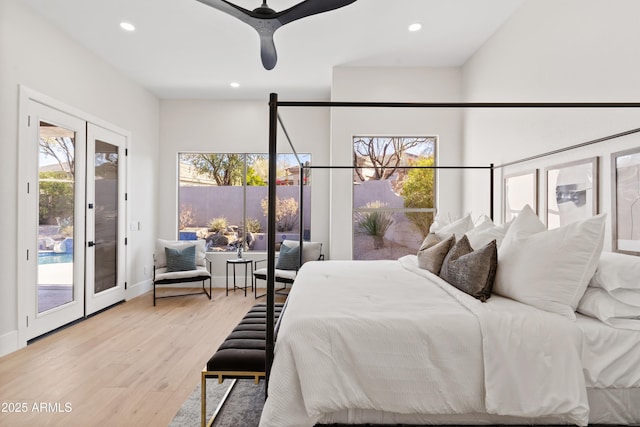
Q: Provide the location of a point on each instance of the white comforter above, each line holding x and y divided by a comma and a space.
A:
388, 336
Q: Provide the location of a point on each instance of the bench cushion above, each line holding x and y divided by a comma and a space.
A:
244, 349
238, 360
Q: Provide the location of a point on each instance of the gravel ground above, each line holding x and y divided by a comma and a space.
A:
363, 249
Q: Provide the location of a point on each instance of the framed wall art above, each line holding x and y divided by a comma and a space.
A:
519, 190
572, 192
625, 197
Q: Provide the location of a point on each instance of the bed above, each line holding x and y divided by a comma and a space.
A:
388, 342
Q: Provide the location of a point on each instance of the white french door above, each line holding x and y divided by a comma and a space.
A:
71, 219
54, 223
105, 254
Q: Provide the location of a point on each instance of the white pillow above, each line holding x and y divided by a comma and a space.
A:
457, 228
485, 232
527, 223
619, 275
439, 221
597, 303
549, 269
161, 258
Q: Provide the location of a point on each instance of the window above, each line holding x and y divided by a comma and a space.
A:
393, 195
222, 198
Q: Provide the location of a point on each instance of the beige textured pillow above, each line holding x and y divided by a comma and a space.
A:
473, 272
432, 253
429, 241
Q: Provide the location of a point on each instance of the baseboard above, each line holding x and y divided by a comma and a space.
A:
8, 343
139, 288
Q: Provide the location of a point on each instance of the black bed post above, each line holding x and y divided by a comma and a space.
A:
271, 235
301, 209
491, 178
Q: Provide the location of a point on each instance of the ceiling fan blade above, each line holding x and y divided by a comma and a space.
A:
238, 12
308, 8
268, 52
265, 21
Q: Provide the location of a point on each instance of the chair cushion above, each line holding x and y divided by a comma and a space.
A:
163, 274
161, 258
280, 274
183, 259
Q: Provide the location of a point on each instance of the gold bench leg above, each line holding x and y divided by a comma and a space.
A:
203, 400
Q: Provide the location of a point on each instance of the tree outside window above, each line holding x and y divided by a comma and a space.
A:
56, 180
393, 195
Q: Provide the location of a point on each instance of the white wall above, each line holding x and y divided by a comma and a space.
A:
554, 51
35, 54
391, 85
242, 127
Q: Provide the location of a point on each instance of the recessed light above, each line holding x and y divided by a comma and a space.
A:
234, 84
127, 26
415, 27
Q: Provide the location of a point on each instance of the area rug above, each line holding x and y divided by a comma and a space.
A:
241, 409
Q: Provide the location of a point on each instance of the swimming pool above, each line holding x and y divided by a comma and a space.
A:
53, 258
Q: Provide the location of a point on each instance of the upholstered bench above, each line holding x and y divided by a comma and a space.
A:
241, 355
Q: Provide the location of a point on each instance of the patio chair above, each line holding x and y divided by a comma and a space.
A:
288, 263
180, 262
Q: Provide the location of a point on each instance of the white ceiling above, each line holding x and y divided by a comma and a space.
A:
185, 49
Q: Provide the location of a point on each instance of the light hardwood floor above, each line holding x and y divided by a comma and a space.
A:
132, 365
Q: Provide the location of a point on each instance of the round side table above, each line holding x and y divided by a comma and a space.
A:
239, 261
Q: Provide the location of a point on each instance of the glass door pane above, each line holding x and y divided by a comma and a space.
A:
56, 184
105, 269
106, 216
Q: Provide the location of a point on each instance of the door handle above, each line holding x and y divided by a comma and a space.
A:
91, 244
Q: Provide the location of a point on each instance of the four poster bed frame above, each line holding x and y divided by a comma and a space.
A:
274, 120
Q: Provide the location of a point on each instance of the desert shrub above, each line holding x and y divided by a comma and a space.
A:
374, 223
186, 218
253, 225
286, 212
218, 224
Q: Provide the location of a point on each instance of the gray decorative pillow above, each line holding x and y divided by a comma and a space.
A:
473, 272
181, 259
289, 258
433, 252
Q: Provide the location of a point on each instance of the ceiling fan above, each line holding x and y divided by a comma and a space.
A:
266, 20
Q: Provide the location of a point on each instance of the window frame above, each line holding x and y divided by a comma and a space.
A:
247, 159
393, 210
